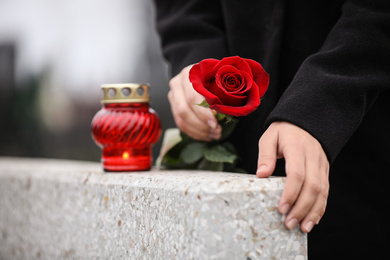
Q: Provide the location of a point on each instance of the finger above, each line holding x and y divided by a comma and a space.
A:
185, 118
268, 145
295, 172
215, 133
308, 195
206, 115
318, 210
310, 205
315, 215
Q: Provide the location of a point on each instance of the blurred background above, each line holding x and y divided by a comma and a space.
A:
54, 55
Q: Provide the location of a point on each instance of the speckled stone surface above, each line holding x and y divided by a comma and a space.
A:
54, 209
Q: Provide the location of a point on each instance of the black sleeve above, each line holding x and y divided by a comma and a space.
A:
334, 88
190, 30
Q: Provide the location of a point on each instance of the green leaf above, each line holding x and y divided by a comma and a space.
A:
218, 153
169, 161
175, 151
192, 152
230, 147
211, 166
204, 104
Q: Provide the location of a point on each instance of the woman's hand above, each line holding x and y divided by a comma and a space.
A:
196, 121
307, 168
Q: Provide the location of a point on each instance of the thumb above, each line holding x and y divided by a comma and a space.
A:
207, 115
266, 162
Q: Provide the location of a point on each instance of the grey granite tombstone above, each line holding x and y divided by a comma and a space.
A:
54, 209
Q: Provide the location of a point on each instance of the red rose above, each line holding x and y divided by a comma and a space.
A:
232, 86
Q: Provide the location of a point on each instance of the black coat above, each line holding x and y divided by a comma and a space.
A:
329, 66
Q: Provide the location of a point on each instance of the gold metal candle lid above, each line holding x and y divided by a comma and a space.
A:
125, 93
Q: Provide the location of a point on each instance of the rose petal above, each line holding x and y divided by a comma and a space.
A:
232, 82
233, 111
226, 98
260, 76
229, 70
205, 67
234, 61
196, 78
246, 82
252, 102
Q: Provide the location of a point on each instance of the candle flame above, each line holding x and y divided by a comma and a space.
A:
125, 155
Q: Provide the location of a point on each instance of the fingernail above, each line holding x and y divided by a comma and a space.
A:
212, 124
284, 209
262, 168
215, 136
261, 171
309, 226
215, 131
292, 223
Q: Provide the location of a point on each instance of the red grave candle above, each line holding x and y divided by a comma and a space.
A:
126, 127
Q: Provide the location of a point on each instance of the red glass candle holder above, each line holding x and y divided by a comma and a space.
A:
126, 127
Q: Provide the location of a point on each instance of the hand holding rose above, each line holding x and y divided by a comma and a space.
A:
231, 87
196, 121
